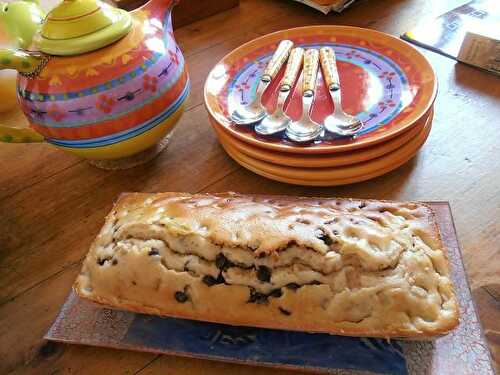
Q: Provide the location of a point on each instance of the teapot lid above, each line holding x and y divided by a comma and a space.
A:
79, 26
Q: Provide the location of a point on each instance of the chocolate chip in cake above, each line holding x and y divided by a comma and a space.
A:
222, 262
220, 279
362, 205
261, 299
101, 261
276, 293
114, 262
181, 297
293, 286
256, 297
264, 274
335, 232
325, 238
284, 311
209, 280
153, 252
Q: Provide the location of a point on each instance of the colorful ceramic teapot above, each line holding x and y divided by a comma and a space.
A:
97, 81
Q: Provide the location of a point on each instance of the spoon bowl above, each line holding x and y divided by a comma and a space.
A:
303, 137
342, 124
336, 129
255, 111
304, 129
272, 124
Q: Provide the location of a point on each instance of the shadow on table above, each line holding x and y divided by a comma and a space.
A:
477, 80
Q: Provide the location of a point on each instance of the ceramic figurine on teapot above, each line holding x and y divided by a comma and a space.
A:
97, 81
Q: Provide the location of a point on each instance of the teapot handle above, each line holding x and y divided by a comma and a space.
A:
27, 63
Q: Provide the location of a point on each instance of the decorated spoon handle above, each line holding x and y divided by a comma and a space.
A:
292, 68
329, 68
310, 70
278, 59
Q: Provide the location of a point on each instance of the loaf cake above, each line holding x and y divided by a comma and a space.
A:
342, 266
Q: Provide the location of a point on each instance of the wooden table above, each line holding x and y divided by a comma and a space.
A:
53, 204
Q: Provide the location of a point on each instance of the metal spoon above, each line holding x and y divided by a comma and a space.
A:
278, 121
255, 111
305, 129
338, 122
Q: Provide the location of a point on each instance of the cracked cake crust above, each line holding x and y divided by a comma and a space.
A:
342, 266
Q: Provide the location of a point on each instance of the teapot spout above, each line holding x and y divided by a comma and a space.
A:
25, 62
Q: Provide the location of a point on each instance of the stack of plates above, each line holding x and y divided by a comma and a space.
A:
385, 82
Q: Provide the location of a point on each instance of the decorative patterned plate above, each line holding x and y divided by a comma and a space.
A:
322, 160
462, 352
334, 175
385, 81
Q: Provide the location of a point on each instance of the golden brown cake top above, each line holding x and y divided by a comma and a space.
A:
267, 224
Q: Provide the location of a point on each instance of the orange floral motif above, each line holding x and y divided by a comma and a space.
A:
125, 59
150, 83
55, 81
243, 86
91, 72
105, 103
388, 75
353, 53
55, 112
383, 105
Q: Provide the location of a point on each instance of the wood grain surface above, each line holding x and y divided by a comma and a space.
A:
52, 204
187, 11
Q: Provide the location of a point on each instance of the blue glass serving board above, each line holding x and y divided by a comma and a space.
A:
267, 346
